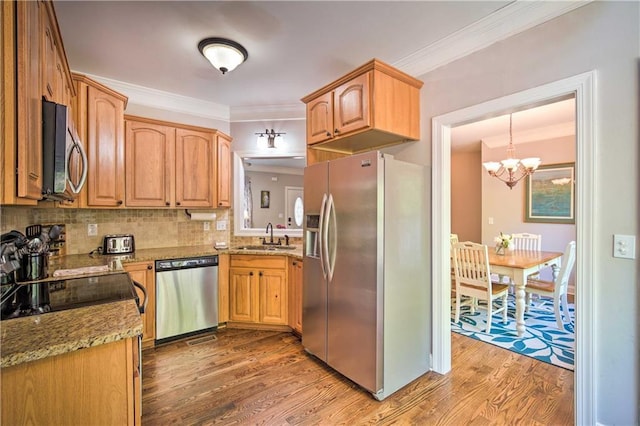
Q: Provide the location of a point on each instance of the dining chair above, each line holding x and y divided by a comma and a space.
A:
556, 289
473, 279
527, 241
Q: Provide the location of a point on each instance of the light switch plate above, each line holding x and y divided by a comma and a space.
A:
624, 246
92, 229
206, 226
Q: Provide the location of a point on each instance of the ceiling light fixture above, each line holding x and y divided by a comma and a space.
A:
225, 55
271, 136
514, 169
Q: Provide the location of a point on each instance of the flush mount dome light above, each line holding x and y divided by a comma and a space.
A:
223, 54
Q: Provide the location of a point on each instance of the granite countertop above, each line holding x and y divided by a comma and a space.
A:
39, 336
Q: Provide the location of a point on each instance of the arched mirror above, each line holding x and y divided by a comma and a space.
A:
268, 189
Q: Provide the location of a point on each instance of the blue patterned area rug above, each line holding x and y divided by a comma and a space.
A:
542, 340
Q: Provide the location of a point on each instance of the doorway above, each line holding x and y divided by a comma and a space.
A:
583, 87
293, 206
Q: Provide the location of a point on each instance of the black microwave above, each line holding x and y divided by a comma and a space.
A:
64, 161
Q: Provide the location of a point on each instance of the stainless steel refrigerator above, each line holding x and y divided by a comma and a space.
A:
366, 289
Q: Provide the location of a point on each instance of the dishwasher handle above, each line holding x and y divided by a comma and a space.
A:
142, 307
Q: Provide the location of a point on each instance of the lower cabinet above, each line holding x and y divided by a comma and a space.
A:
295, 295
98, 385
258, 289
143, 273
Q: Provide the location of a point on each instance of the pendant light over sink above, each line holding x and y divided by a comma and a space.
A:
224, 54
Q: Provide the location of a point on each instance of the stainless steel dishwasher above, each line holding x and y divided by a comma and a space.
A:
186, 296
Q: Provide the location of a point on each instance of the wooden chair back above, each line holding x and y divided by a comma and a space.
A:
525, 241
471, 266
568, 261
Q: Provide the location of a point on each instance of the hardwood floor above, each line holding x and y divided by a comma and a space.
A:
242, 377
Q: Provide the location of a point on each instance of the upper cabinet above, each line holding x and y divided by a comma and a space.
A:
224, 170
34, 66
372, 107
169, 165
100, 121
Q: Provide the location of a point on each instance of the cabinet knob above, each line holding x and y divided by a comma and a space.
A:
149, 267
120, 202
251, 274
328, 134
260, 273
336, 131
177, 203
166, 203
295, 263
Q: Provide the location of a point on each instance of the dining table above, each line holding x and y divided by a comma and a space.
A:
518, 265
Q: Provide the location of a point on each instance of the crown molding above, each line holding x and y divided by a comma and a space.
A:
154, 98
512, 19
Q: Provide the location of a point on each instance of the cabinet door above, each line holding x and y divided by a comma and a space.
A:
143, 273
149, 165
224, 171
105, 146
60, 81
48, 57
320, 119
351, 105
242, 295
273, 296
295, 295
29, 104
194, 168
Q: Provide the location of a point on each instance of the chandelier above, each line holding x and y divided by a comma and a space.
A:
512, 170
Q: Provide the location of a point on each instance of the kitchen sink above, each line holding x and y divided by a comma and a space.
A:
266, 247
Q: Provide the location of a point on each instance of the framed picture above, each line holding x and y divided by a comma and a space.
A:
264, 199
550, 194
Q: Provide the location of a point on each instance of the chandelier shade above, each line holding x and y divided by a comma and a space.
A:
511, 170
225, 55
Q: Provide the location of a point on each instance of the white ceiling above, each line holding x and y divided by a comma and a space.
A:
542, 122
295, 47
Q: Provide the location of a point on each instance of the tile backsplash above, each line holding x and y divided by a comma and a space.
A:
152, 228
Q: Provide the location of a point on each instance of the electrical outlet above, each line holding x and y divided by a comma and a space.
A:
624, 246
207, 226
221, 225
92, 229
490, 221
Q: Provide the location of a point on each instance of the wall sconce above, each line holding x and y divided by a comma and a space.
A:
270, 136
225, 55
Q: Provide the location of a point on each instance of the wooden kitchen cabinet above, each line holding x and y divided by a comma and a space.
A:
100, 123
96, 385
168, 165
258, 290
195, 167
29, 94
149, 164
33, 66
374, 106
295, 295
144, 273
223, 162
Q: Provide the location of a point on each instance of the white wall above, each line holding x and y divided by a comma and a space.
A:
601, 36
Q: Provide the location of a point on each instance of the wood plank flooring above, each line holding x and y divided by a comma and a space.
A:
265, 377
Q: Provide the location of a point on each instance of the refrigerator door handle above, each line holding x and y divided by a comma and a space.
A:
331, 237
321, 238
